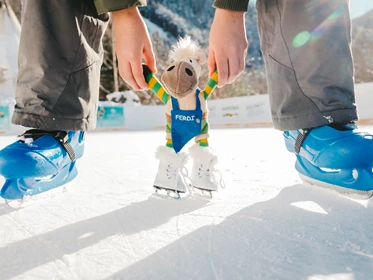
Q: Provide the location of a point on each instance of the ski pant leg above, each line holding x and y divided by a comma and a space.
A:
306, 46
60, 57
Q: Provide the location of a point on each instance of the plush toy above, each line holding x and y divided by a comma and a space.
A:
186, 118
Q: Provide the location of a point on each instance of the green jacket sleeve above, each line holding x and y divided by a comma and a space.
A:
233, 5
103, 6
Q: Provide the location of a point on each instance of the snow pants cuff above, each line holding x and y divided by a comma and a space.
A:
315, 119
60, 57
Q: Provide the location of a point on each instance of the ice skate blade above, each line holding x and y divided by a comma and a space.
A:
202, 193
19, 188
350, 193
167, 193
31, 200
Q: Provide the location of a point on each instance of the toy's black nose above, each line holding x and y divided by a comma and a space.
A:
189, 72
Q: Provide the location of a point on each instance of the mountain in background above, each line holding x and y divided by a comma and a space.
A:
194, 18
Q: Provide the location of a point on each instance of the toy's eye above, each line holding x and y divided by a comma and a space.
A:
171, 68
191, 61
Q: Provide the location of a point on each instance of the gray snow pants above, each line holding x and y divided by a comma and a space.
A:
309, 67
60, 57
305, 43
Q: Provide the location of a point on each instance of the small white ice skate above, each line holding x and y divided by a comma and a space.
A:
202, 178
169, 181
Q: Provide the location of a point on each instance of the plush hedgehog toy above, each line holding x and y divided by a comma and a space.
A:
186, 116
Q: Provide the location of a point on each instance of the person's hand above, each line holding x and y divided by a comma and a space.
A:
132, 44
228, 45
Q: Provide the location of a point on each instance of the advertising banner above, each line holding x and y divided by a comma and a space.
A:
110, 116
4, 119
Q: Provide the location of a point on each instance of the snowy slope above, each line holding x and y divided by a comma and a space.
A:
264, 225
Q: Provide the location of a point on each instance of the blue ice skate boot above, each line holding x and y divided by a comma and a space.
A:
39, 161
334, 156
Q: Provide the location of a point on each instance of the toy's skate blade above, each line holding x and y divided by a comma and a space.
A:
351, 193
167, 193
202, 192
31, 200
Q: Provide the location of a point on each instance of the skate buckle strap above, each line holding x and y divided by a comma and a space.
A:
61, 136
303, 133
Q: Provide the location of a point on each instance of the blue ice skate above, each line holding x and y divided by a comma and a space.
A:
337, 157
39, 161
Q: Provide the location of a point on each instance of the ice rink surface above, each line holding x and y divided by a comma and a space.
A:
264, 225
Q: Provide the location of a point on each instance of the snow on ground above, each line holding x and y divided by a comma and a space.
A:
264, 225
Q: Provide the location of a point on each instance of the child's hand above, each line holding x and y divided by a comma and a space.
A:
132, 43
228, 45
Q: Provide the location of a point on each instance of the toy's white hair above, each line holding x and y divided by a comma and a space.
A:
187, 48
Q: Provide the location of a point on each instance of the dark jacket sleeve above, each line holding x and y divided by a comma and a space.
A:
103, 6
233, 5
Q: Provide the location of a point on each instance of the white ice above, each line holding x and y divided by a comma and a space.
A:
264, 225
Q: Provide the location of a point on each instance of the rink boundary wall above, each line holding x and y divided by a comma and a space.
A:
237, 112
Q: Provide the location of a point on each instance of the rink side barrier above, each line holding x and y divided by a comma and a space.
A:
238, 112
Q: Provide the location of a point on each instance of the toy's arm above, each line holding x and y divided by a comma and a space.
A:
154, 84
211, 85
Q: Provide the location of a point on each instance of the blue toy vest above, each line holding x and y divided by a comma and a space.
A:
186, 124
